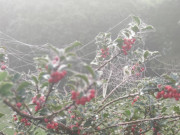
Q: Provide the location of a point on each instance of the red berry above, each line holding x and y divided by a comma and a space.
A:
55, 124
98, 128
170, 95
73, 95
15, 119
19, 105
46, 120
56, 58
132, 103
88, 99
159, 86
92, 91
165, 96
37, 108
3, 67
50, 80
83, 101
135, 100
78, 101
132, 129
168, 87
28, 124
162, 92
158, 95
48, 126
56, 76
92, 96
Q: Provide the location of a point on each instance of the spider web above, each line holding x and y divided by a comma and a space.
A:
20, 57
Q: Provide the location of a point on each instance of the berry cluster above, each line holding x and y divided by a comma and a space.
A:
135, 128
82, 100
15, 118
39, 102
128, 44
51, 125
135, 99
137, 69
168, 92
77, 126
19, 105
57, 76
25, 121
104, 52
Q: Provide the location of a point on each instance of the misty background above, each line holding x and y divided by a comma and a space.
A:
60, 22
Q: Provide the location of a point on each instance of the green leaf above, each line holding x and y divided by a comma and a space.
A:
146, 54
135, 29
56, 108
35, 79
40, 77
54, 49
87, 123
170, 79
74, 45
3, 75
136, 20
2, 57
90, 70
71, 86
149, 27
1, 115
44, 85
70, 54
16, 77
23, 86
176, 109
120, 42
105, 115
127, 34
41, 60
127, 113
5, 88
83, 77
163, 109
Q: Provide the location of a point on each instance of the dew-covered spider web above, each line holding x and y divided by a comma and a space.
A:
20, 58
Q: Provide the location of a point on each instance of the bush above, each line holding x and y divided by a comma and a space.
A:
111, 95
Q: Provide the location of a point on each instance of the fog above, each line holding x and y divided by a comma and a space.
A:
60, 22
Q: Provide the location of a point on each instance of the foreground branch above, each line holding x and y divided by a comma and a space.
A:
143, 120
31, 117
14, 108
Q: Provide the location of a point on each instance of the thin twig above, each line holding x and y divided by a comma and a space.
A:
113, 90
117, 99
108, 61
27, 108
